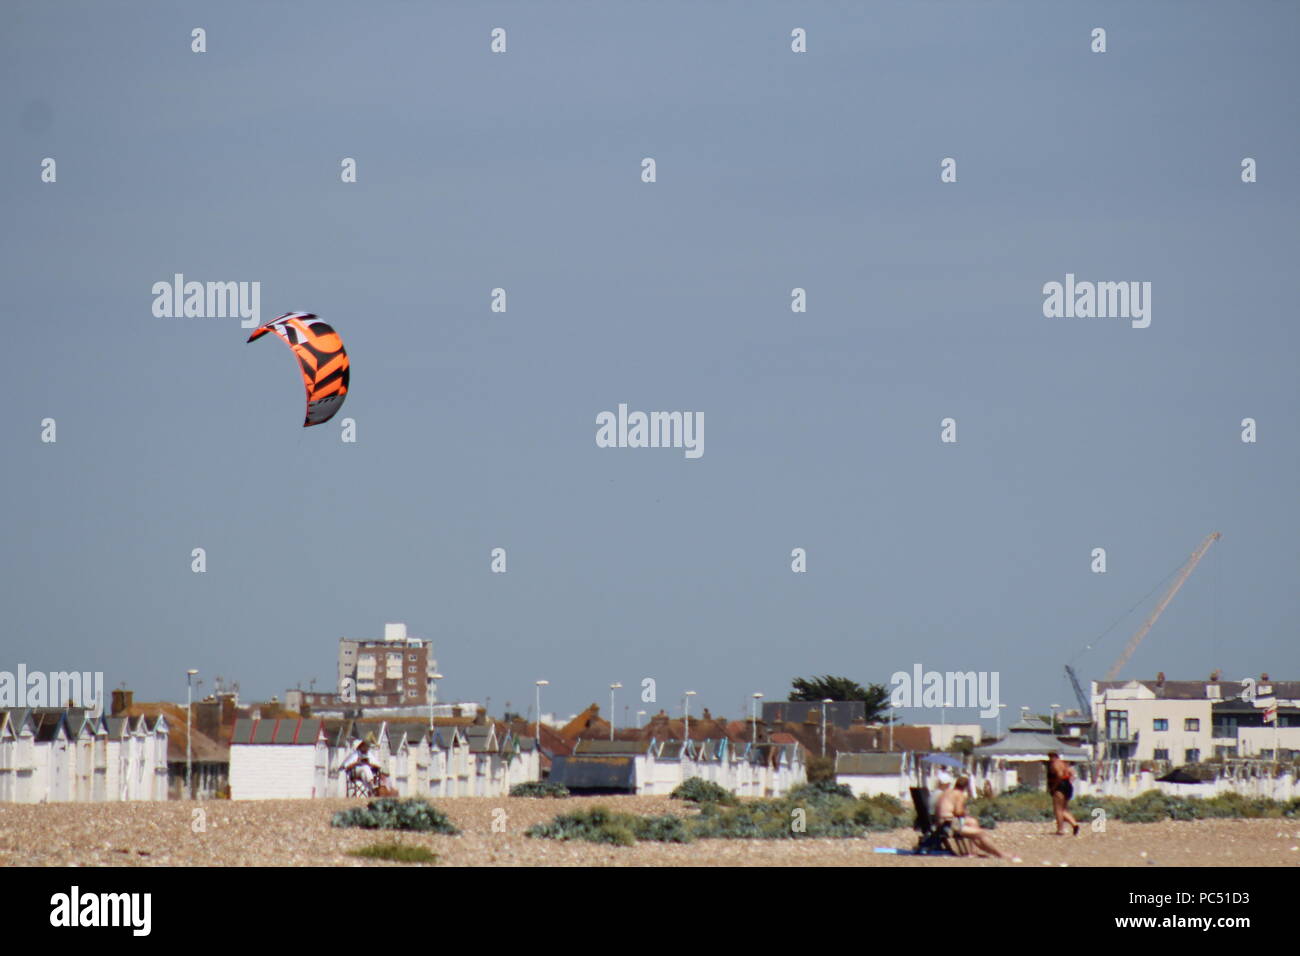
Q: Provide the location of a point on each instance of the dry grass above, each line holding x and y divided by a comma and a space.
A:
298, 833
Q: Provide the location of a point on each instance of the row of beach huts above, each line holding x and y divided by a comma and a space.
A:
67, 755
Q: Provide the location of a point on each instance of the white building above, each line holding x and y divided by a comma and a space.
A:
17, 757
872, 774
279, 759
50, 755
1186, 722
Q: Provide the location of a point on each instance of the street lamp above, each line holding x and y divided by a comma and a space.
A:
686, 709
998, 733
1055, 708
612, 687
943, 719
540, 685
189, 731
825, 701
429, 692
753, 719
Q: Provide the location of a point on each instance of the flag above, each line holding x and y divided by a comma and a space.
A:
1270, 709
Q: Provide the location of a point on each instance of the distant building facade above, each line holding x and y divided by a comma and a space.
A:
1187, 722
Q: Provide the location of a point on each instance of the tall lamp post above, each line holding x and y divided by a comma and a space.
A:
686, 709
943, 719
753, 718
998, 732
432, 677
1055, 708
540, 685
189, 731
612, 687
825, 701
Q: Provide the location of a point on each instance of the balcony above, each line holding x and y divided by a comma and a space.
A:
1120, 735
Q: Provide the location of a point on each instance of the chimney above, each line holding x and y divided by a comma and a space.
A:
1215, 674
1160, 679
207, 718
1264, 676
122, 702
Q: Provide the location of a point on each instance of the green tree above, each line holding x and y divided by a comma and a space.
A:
820, 768
874, 696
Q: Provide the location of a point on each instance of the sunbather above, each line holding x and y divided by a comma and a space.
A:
951, 808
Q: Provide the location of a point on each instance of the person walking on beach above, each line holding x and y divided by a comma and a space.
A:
1061, 790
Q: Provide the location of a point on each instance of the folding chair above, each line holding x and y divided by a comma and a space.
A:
936, 839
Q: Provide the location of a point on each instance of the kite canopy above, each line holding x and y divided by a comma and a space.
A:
321, 356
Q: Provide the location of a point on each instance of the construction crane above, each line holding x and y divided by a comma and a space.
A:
1179, 581
1085, 708
1085, 705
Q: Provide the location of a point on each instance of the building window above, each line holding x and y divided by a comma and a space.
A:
1160, 724
1191, 756
1161, 754
1192, 724
1117, 724
1226, 726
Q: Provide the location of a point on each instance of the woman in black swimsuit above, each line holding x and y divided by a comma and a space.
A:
1061, 790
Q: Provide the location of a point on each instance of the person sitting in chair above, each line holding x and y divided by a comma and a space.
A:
951, 808
357, 764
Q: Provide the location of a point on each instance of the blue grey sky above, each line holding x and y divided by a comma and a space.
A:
476, 429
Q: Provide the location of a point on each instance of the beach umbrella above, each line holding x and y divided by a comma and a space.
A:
943, 760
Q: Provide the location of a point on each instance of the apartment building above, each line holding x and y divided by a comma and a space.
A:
398, 671
1184, 722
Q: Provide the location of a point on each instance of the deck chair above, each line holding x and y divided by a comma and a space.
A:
937, 839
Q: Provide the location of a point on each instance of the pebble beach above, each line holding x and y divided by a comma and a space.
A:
298, 833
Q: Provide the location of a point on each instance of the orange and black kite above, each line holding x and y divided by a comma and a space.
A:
320, 353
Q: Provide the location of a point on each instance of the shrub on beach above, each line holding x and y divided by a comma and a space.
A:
390, 813
602, 825
699, 790
539, 788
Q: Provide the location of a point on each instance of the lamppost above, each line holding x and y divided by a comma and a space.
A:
540, 685
753, 718
189, 731
686, 709
891, 724
429, 691
1055, 708
943, 719
639, 715
612, 687
825, 701
998, 733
